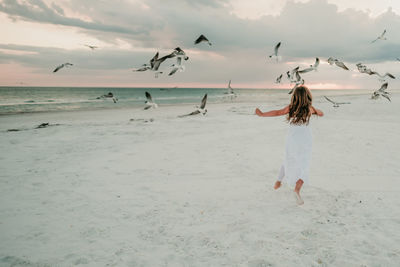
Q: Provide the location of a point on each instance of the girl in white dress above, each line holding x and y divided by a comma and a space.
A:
295, 168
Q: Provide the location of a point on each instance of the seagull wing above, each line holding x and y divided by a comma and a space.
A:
387, 97
173, 71
200, 39
330, 100
305, 70
149, 98
316, 62
153, 60
383, 87
277, 48
390, 75
341, 64
203, 102
384, 32
58, 68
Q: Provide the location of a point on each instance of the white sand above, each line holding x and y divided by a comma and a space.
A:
99, 190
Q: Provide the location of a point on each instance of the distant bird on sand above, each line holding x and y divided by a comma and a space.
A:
149, 102
381, 37
200, 110
62, 66
200, 39
338, 63
336, 104
91, 46
278, 80
381, 92
312, 67
276, 50
230, 93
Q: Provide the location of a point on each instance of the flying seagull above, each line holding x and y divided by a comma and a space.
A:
381, 92
155, 63
202, 38
336, 104
177, 66
200, 110
312, 67
338, 63
291, 74
381, 37
278, 80
382, 77
297, 84
91, 46
62, 66
149, 102
179, 52
275, 54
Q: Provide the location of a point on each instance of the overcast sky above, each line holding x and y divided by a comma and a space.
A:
38, 35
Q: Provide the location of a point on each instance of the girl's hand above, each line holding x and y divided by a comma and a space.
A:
258, 112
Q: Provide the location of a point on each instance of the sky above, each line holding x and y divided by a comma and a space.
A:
38, 35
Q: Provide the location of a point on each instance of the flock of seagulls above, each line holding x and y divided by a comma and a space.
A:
149, 103
294, 75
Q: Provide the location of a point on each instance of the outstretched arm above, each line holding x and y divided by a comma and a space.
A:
317, 111
273, 113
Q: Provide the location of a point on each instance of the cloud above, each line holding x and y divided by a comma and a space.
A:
38, 11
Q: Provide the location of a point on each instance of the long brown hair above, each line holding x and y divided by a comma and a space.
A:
300, 106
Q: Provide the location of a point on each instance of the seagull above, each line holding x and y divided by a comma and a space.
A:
230, 93
381, 37
336, 104
275, 54
109, 95
312, 67
297, 84
177, 66
149, 102
62, 66
278, 80
338, 63
363, 69
91, 46
200, 110
179, 52
155, 62
381, 92
144, 67
382, 77
202, 38
290, 74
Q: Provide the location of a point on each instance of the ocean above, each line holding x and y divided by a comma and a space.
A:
14, 100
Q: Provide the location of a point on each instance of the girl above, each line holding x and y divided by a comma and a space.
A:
295, 168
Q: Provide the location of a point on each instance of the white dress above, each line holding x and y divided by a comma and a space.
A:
297, 155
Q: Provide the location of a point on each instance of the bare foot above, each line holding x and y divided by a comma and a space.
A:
277, 185
299, 200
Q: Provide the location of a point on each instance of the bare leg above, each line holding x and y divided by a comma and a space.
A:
278, 183
299, 184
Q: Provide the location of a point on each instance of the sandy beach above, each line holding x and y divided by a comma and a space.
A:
129, 187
